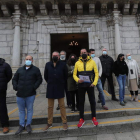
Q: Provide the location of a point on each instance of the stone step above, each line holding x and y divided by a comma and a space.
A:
42, 119
106, 126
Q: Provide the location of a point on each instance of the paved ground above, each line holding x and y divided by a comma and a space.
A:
41, 104
135, 135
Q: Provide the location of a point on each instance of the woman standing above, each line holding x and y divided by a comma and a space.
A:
72, 86
133, 77
121, 71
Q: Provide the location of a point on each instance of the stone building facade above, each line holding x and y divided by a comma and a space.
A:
26, 26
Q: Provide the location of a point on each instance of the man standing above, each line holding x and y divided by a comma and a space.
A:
56, 74
63, 59
99, 84
5, 77
84, 71
107, 65
26, 80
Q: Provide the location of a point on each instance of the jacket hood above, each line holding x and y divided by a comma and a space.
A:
88, 58
1, 61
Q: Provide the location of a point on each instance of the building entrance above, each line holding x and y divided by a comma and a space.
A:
69, 42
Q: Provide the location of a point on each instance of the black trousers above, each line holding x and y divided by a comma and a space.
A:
68, 97
110, 82
4, 119
73, 95
132, 93
82, 91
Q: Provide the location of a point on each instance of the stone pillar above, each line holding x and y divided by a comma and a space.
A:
117, 20
16, 43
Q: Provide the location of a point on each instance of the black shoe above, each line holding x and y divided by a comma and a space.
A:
58, 108
21, 128
99, 101
115, 99
28, 128
72, 110
70, 106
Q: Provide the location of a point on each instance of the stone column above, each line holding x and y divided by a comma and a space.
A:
117, 20
16, 43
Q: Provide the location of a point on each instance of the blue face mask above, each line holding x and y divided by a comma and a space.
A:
129, 58
92, 55
28, 62
104, 52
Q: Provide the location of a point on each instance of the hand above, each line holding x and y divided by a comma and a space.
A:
91, 85
80, 81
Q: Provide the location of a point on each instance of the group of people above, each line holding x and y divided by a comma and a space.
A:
73, 77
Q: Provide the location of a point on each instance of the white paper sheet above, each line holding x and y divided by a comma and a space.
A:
84, 78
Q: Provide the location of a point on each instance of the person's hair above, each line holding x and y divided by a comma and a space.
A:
118, 59
104, 49
30, 56
83, 49
63, 51
69, 60
90, 50
55, 52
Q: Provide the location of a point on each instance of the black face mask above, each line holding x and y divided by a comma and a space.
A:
123, 59
55, 59
73, 60
84, 56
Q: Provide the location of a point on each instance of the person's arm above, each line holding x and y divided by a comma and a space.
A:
15, 80
96, 74
70, 72
39, 79
75, 73
100, 68
8, 72
115, 68
112, 64
46, 73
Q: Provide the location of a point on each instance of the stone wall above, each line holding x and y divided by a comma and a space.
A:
35, 38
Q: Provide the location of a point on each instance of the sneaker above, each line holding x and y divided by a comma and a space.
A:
105, 107
81, 123
65, 126
47, 127
69, 106
132, 98
28, 128
21, 128
94, 121
5, 130
136, 99
72, 110
122, 103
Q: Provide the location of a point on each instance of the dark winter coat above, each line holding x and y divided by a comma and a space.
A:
5, 75
120, 68
107, 64
71, 82
56, 78
25, 82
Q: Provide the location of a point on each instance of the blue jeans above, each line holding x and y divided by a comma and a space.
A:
28, 104
121, 81
101, 92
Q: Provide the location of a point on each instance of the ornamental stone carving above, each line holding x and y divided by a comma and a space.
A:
68, 19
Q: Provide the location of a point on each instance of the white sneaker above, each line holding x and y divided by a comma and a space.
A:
132, 97
136, 98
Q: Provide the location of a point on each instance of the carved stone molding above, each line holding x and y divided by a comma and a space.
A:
68, 19
117, 18
103, 9
138, 19
109, 20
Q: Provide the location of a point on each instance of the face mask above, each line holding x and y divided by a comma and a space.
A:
72, 60
123, 59
129, 58
62, 57
104, 52
28, 62
84, 56
92, 55
55, 59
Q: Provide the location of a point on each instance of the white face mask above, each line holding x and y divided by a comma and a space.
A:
62, 57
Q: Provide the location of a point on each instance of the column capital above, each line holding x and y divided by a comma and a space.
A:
16, 18
117, 17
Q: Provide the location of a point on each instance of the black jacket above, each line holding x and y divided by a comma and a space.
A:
107, 64
56, 78
120, 68
5, 75
25, 82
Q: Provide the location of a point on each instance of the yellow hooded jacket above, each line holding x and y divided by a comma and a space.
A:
82, 66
